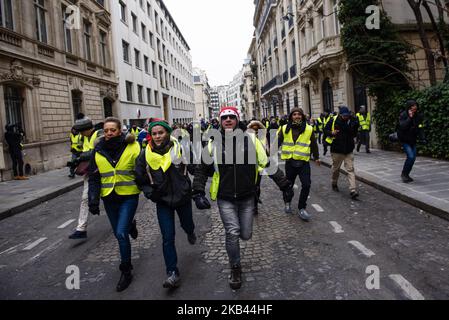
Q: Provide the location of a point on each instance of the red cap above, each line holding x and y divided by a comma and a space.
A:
225, 111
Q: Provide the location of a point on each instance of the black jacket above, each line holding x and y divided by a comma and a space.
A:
172, 188
13, 139
344, 140
237, 181
408, 129
113, 156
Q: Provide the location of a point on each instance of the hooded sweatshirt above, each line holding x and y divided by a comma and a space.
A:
297, 129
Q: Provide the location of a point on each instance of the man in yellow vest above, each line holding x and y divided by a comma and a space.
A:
320, 126
86, 128
326, 118
76, 147
134, 130
297, 143
364, 128
233, 184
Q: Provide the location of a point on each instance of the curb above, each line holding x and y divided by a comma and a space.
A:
408, 199
34, 202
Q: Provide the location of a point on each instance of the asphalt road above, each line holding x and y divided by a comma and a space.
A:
398, 250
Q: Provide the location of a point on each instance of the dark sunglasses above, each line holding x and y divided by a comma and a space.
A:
230, 116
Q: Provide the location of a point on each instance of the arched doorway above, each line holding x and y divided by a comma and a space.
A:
77, 102
360, 97
328, 96
14, 100
295, 99
107, 107
308, 99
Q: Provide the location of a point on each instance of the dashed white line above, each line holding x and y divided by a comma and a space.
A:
10, 250
367, 252
409, 290
49, 248
337, 228
65, 224
35, 243
317, 207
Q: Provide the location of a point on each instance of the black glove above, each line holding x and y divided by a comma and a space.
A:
148, 193
201, 201
95, 209
288, 194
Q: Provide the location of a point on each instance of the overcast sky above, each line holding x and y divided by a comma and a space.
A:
218, 32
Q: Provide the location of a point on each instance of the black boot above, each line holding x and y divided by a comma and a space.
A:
126, 277
235, 278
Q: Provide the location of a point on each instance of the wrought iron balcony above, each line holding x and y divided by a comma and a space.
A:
293, 71
285, 76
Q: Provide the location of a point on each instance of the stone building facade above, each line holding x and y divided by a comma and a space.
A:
55, 61
323, 81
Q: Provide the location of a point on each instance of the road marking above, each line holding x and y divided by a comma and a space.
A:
49, 248
337, 227
317, 207
367, 252
35, 243
10, 250
409, 290
65, 224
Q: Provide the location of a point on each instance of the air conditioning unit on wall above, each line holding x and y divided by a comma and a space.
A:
2, 157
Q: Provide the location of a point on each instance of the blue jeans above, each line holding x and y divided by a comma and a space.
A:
121, 211
410, 150
237, 218
166, 218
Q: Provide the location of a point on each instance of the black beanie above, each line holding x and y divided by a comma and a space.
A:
83, 124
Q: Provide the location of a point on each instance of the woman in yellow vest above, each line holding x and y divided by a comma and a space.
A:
112, 177
162, 175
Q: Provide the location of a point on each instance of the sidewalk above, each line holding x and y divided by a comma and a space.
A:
17, 196
382, 170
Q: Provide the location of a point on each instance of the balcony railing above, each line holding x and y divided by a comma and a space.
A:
271, 84
9, 37
285, 76
45, 50
293, 71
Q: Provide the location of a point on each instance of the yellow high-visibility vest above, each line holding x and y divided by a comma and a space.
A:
88, 144
320, 124
76, 142
122, 178
329, 140
157, 161
261, 158
135, 132
299, 150
364, 122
